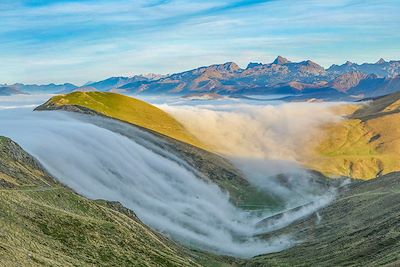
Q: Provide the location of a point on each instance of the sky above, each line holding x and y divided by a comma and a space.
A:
44, 41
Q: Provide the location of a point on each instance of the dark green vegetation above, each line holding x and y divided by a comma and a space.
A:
43, 223
378, 107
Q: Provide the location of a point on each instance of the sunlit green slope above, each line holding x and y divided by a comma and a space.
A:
364, 145
126, 109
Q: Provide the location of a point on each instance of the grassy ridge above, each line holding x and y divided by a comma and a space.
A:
363, 146
126, 109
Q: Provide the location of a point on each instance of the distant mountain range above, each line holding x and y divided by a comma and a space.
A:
9, 90
305, 79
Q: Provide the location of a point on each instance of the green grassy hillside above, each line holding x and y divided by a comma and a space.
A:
360, 228
43, 223
126, 109
364, 145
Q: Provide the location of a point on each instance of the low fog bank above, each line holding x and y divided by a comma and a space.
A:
265, 142
22, 101
164, 194
276, 132
163, 190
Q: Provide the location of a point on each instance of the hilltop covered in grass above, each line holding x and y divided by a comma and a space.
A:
126, 109
364, 145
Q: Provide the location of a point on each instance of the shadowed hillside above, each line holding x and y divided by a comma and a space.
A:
43, 223
361, 228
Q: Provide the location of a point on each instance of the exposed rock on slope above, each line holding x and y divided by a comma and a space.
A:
270, 78
374, 86
45, 88
381, 68
348, 80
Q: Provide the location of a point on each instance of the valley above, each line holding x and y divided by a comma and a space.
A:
206, 133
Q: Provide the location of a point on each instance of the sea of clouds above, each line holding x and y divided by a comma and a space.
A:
165, 192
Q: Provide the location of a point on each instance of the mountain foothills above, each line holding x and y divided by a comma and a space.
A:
304, 79
46, 223
364, 145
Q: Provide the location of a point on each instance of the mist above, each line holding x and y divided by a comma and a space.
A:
163, 190
266, 142
275, 132
166, 195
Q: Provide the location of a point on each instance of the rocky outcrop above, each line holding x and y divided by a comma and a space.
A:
347, 80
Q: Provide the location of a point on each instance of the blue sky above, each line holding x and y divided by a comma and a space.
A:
43, 41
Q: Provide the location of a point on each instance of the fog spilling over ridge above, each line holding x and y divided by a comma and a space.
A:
264, 141
160, 188
275, 132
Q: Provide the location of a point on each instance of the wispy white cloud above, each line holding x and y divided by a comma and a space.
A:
87, 40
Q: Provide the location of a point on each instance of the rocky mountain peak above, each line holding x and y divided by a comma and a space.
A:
228, 66
347, 80
380, 61
280, 61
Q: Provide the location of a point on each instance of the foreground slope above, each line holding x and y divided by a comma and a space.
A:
126, 109
365, 145
46, 224
360, 228
43, 223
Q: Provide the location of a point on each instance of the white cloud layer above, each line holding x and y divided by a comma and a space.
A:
160, 188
